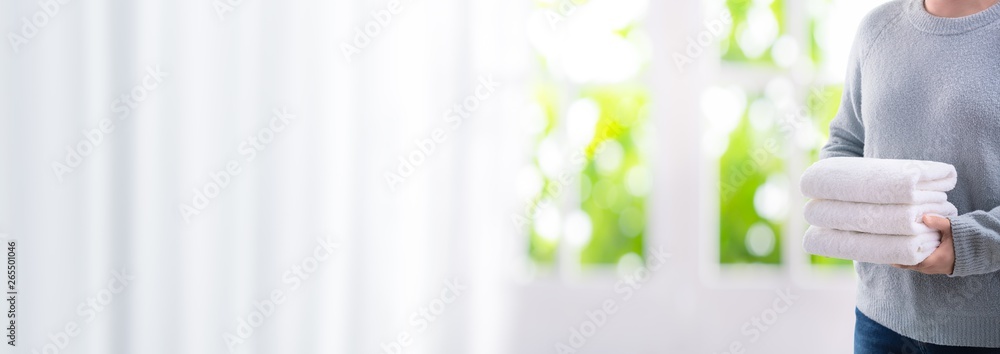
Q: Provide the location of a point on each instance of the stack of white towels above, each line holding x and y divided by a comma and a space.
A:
871, 210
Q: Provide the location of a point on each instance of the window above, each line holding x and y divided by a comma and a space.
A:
778, 87
588, 179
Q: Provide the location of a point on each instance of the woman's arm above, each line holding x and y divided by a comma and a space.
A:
847, 132
970, 244
977, 242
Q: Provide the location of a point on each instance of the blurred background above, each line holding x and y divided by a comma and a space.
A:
417, 176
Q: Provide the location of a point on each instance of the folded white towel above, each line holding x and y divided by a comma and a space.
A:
882, 181
871, 248
893, 219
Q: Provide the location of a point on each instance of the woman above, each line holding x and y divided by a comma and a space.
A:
923, 83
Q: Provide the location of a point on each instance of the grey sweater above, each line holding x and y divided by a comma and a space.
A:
928, 88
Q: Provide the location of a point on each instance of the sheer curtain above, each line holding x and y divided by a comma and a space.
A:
218, 176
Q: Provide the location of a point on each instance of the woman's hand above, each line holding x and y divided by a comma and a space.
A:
942, 260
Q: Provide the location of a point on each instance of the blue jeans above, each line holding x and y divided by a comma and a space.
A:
873, 338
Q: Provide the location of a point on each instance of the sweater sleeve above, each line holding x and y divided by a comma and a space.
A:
847, 132
977, 242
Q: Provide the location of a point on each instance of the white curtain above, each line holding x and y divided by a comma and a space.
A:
147, 242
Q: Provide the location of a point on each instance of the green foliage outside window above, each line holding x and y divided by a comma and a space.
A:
614, 199
748, 43
750, 227
596, 210
618, 213
752, 160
